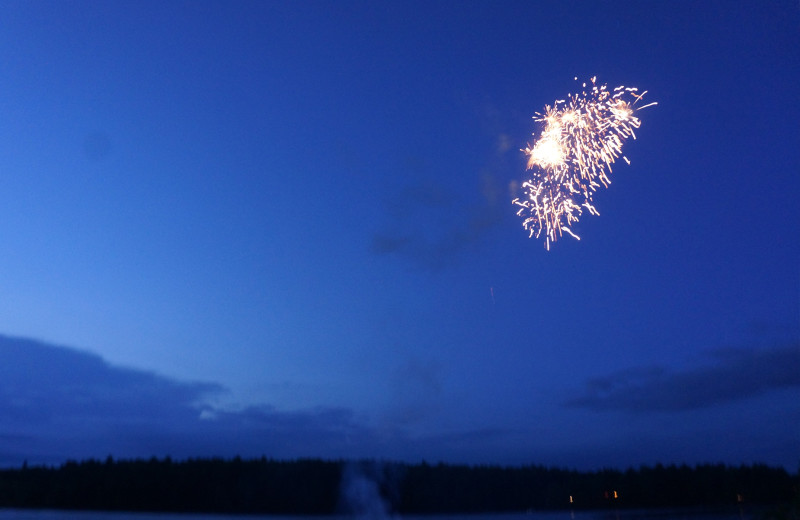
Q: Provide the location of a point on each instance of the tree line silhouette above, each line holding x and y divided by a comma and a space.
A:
316, 486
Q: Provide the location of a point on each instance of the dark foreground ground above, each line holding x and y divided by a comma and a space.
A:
313, 486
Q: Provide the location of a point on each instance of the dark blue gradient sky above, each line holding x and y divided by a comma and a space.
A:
285, 228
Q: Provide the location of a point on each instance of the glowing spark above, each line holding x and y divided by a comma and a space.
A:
582, 137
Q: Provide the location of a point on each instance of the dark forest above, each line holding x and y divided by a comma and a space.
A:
314, 486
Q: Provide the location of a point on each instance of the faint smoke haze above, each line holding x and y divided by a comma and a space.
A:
363, 487
431, 230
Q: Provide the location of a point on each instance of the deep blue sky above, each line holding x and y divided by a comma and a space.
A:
286, 228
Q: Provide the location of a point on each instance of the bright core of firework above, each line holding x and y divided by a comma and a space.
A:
582, 137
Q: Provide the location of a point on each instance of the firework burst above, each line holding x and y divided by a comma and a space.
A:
582, 137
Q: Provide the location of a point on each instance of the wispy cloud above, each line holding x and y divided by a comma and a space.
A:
734, 375
58, 403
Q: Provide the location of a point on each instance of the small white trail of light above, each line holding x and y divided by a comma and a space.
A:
568, 230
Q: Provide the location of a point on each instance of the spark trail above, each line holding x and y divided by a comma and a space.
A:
582, 137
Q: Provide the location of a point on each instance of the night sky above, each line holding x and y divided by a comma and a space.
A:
286, 229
